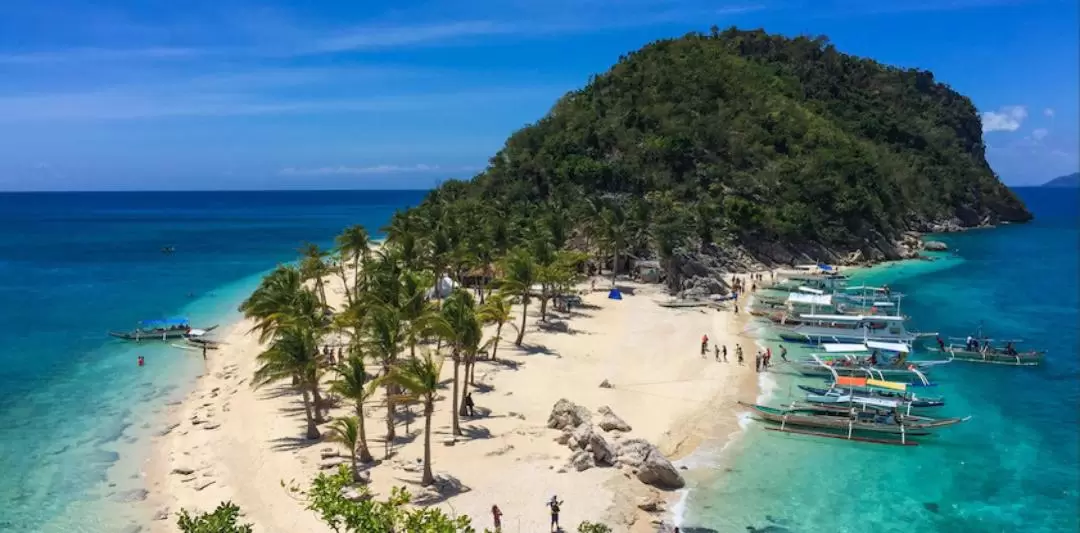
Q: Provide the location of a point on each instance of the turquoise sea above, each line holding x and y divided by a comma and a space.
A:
76, 412
1015, 466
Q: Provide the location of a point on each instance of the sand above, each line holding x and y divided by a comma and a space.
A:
240, 444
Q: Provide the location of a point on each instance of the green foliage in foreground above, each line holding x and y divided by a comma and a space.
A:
325, 498
222, 520
742, 137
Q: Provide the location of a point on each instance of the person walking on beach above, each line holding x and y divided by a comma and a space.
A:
553, 505
704, 344
766, 359
738, 353
716, 352
783, 353
724, 352
757, 361
496, 516
204, 352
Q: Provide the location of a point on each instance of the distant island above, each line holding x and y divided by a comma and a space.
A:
746, 146
1070, 181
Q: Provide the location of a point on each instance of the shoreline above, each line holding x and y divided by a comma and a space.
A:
233, 455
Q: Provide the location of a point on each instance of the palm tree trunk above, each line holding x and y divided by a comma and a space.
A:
345, 283
464, 390
543, 302
389, 412
495, 345
429, 406
365, 454
317, 400
456, 424
312, 429
521, 332
614, 265
356, 274
355, 468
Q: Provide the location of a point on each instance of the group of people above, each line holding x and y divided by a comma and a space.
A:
761, 361
554, 506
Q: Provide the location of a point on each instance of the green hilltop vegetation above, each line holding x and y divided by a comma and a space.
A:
1070, 181
781, 147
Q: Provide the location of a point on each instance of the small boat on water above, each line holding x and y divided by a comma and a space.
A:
867, 396
164, 329
872, 388
819, 329
839, 365
990, 351
868, 425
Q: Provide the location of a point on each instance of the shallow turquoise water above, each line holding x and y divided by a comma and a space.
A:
1014, 467
75, 410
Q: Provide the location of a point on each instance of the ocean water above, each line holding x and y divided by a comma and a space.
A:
1015, 466
76, 411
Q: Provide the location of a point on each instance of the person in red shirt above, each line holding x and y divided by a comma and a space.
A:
704, 344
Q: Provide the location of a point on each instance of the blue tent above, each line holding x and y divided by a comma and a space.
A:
824, 267
614, 294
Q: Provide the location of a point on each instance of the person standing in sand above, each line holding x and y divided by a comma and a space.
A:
704, 344
553, 505
724, 353
738, 353
757, 361
496, 516
716, 352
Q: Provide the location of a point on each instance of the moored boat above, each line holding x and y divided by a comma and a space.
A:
990, 351
163, 330
819, 329
852, 424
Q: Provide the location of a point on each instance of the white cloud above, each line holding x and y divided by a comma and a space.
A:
1039, 134
376, 169
1049, 112
1007, 118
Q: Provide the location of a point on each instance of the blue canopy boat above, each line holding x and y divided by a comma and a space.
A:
162, 329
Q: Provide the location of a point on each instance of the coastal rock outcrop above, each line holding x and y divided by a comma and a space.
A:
935, 246
651, 467
609, 421
602, 451
566, 414
582, 460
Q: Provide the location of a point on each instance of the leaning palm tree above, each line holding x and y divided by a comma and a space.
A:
496, 311
353, 383
354, 244
419, 376
346, 431
294, 354
520, 272
280, 300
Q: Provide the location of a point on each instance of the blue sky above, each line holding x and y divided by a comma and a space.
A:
228, 94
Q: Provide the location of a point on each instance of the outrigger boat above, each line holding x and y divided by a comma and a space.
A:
888, 394
165, 329
983, 350
846, 364
818, 329
851, 424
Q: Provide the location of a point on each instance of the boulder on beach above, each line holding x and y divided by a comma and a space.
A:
567, 414
582, 460
651, 465
609, 421
602, 451
935, 246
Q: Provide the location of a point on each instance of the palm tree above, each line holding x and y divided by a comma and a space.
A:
386, 337
281, 300
615, 230
519, 274
346, 431
420, 377
458, 325
354, 243
313, 266
294, 354
352, 383
496, 311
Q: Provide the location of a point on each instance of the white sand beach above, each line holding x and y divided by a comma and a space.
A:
231, 443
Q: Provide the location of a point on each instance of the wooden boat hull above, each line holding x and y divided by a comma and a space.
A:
1029, 358
830, 419
857, 371
149, 335
917, 403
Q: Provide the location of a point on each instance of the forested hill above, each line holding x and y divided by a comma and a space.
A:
781, 147
1070, 181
